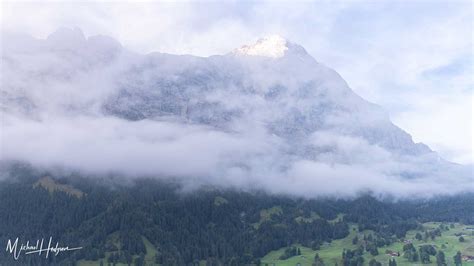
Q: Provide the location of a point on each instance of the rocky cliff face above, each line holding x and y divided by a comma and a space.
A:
274, 82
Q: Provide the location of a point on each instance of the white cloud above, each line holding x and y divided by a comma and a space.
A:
436, 116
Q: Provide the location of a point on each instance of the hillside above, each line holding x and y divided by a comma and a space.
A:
151, 220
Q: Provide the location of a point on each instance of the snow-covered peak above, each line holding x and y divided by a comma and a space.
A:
273, 46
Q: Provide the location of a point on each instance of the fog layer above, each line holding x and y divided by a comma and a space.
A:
285, 125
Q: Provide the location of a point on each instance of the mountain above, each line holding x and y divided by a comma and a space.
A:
271, 108
273, 82
259, 156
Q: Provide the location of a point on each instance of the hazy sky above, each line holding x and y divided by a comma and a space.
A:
412, 57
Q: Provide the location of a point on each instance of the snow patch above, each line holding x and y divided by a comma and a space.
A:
272, 46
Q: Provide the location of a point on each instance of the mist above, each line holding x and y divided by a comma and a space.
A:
290, 126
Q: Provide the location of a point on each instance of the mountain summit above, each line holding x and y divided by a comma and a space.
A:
273, 46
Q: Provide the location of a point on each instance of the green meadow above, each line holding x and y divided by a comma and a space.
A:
331, 253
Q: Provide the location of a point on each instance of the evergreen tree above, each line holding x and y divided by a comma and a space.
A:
424, 256
355, 240
418, 236
374, 262
440, 259
315, 245
318, 261
373, 250
457, 259
415, 257
390, 262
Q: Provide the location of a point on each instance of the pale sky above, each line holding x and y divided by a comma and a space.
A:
414, 58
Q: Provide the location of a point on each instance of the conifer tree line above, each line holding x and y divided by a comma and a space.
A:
223, 227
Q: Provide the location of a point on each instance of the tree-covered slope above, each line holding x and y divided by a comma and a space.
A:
117, 222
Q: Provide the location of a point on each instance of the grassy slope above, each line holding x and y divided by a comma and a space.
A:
266, 215
331, 252
301, 219
52, 186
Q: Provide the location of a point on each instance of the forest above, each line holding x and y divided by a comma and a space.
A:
117, 222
